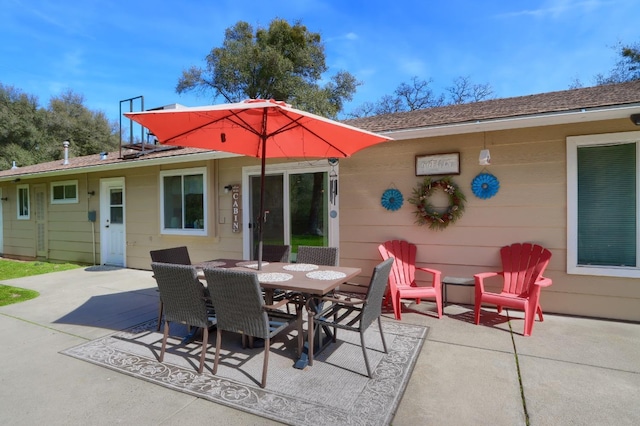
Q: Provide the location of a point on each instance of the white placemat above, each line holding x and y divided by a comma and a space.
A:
300, 267
270, 277
251, 264
326, 275
211, 264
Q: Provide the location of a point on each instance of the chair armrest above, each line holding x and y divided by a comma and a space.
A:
437, 276
543, 282
277, 305
434, 272
481, 277
348, 302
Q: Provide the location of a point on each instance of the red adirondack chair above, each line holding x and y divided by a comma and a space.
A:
522, 269
402, 282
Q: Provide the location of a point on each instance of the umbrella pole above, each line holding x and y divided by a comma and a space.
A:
261, 218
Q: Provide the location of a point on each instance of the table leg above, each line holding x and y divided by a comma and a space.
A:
319, 335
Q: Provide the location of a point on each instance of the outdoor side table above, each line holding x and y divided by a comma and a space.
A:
460, 281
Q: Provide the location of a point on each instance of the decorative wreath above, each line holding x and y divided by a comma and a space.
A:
427, 214
392, 199
485, 185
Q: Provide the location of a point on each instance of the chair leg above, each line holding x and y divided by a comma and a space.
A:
364, 352
205, 340
397, 306
476, 311
165, 335
265, 365
439, 303
529, 319
218, 345
540, 313
160, 310
384, 344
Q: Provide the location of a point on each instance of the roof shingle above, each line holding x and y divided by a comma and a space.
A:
562, 101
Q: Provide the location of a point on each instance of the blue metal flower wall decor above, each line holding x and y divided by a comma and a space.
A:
485, 185
392, 199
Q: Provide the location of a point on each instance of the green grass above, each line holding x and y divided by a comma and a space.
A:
15, 269
10, 295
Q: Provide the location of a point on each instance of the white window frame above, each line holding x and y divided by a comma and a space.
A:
28, 215
286, 169
185, 231
63, 184
573, 143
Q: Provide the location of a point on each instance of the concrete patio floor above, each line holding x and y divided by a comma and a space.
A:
571, 371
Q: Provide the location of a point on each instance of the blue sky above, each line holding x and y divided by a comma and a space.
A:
111, 50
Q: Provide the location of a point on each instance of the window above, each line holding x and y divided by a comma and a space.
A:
24, 204
183, 204
602, 205
64, 192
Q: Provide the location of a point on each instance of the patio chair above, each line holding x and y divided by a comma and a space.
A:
175, 255
318, 255
185, 302
240, 308
522, 269
274, 253
352, 314
402, 280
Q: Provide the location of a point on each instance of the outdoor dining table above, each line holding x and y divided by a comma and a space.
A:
306, 279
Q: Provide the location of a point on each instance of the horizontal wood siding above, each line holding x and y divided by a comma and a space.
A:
529, 207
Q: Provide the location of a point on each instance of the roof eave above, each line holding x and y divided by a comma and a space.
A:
518, 122
121, 165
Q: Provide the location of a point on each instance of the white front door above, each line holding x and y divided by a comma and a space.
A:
112, 224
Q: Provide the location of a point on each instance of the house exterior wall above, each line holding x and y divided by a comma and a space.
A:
529, 207
68, 229
143, 214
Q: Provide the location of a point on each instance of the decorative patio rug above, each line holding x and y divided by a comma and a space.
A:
334, 391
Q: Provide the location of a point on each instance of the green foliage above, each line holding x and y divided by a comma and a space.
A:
283, 62
426, 213
627, 68
30, 134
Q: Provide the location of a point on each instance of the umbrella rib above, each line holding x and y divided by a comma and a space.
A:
242, 123
295, 123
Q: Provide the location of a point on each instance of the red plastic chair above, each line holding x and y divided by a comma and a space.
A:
402, 282
522, 269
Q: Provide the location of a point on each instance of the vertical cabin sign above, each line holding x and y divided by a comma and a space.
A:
235, 208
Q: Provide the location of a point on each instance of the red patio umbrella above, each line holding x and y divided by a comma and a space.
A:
257, 128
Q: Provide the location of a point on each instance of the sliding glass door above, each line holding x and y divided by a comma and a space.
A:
297, 208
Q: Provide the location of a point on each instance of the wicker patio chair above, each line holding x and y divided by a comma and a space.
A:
352, 314
175, 255
274, 253
185, 301
317, 255
240, 308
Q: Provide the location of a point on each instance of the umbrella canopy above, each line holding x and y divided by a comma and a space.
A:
256, 128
